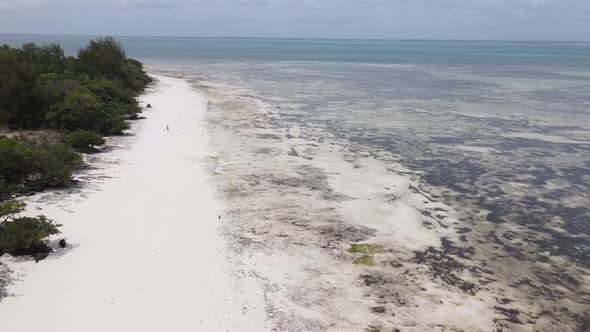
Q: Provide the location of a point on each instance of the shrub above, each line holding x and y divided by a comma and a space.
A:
6, 189
16, 160
9, 209
54, 164
79, 102
33, 164
84, 140
79, 109
24, 236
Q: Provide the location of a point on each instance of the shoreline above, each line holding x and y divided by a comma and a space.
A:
290, 207
301, 197
145, 249
299, 206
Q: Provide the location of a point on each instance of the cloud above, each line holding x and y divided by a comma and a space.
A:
22, 4
495, 19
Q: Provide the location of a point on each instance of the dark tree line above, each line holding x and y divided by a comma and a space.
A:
42, 88
80, 98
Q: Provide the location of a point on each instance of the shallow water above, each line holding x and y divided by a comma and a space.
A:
503, 128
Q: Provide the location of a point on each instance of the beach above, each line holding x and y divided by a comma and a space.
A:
145, 252
345, 237
295, 166
300, 206
226, 211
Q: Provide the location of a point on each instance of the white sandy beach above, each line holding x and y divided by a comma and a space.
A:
237, 220
146, 251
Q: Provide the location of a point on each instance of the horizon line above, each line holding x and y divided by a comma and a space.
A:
305, 38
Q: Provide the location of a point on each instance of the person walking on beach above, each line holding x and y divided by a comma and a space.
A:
167, 128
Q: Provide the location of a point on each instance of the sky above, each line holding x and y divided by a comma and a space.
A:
377, 19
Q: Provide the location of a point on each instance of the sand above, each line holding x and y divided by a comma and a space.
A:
240, 220
146, 252
296, 205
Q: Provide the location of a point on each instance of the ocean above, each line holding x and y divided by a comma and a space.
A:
500, 131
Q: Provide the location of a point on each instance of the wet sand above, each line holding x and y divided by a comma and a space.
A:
296, 207
301, 194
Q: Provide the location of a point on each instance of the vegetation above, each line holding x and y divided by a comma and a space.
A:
34, 164
83, 97
367, 249
41, 88
23, 235
84, 140
9, 209
364, 260
75, 100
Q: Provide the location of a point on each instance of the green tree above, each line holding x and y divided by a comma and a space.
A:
16, 160
54, 164
35, 164
40, 87
79, 109
103, 57
19, 103
84, 140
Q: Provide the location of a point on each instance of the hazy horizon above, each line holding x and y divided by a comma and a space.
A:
303, 38
488, 20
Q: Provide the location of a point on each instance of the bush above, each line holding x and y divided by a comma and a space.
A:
89, 104
55, 163
16, 160
84, 140
79, 109
34, 164
24, 236
9, 209
6, 189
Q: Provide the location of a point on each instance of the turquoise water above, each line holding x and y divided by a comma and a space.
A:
544, 73
356, 51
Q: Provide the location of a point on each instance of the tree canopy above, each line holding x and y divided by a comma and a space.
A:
42, 88
82, 98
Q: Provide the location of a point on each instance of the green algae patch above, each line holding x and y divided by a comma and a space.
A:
364, 260
367, 249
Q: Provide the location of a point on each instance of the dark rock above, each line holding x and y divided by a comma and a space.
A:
149, 106
378, 310
62, 243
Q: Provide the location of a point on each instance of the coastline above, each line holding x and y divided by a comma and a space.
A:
297, 207
145, 249
301, 197
282, 207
